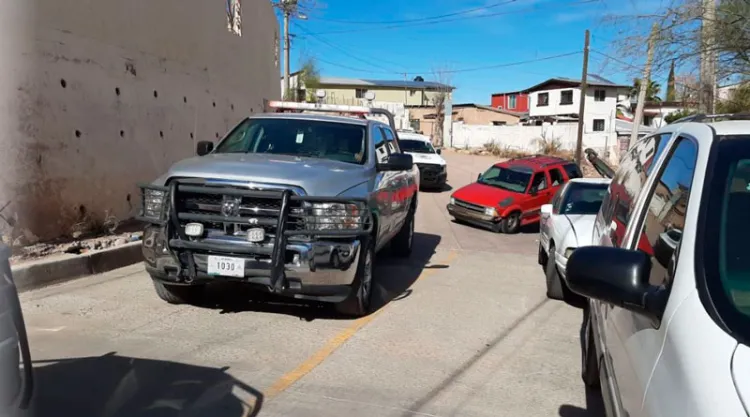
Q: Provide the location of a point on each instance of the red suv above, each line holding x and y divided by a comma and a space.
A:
510, 194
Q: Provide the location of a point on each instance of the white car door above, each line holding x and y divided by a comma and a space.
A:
547, 223
634, 342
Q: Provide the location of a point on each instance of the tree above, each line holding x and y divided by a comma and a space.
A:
737, 102
652, 91
439, 98
671, 117
671, 93
419, 79
308, 81
687, 88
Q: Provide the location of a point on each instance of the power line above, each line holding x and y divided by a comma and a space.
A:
455, 19
334, 46
470, 69
421, 19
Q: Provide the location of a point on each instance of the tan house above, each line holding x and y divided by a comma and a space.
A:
354, 90
422, 118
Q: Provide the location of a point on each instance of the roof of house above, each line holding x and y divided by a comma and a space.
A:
414, 85
508, 92
483, 107
592, 79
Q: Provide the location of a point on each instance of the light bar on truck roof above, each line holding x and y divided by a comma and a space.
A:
342, 108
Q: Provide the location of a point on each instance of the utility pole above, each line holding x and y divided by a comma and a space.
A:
287, 13
645, 82
708, 57
582, 104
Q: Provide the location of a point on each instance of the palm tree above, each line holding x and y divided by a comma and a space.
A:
652, 91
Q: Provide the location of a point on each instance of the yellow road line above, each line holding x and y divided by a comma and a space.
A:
312, 362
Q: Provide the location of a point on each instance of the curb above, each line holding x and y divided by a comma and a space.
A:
69, 267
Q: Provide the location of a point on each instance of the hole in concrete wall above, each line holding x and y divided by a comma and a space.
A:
217, 135
63, 83
161, 134
156, 94
117, 90
82, 211
184, 99
39, 159
78, 133
251, 109
231, 106
191, 135
214, 103
127, 198
122, 133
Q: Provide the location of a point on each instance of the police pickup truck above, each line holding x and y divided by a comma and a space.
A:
295, 201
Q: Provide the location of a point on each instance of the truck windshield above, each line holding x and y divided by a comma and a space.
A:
345, 142
415, 146
583, 198
726, 230
515, 179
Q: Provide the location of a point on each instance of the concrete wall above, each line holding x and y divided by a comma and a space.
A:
479, 116
107, 93
525, 138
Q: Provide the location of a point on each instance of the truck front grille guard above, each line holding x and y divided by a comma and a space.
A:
356, 209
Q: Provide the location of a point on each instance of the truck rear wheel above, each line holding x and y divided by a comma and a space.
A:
178, 294
359, 303
402, 242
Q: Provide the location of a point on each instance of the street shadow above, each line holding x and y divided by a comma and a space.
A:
532, 228
436, 190
594, 406
393, 277
119, 386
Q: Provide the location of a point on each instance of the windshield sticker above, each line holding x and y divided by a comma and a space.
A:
300, 136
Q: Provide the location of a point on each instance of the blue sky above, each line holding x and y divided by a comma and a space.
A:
506, 31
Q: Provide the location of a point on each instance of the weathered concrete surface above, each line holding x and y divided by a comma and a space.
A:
468, 332
58, 269
97, 95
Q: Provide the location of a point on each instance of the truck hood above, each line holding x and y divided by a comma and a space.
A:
427, 158
319, 177
484, 195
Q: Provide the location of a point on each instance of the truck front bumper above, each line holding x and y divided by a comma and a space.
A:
306, 264
473, 217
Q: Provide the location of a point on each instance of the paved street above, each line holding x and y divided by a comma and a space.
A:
468, 331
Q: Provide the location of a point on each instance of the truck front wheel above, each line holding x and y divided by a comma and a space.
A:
402, 242
178, 294
359, 303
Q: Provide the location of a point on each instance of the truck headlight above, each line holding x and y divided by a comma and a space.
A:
443, 169
568, 252
453, 201
490, 211
154, 202
334, 216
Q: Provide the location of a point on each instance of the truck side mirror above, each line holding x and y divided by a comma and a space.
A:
204, 147
479, 177
439, 151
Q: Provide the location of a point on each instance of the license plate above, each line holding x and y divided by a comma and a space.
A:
222, 265
256, 235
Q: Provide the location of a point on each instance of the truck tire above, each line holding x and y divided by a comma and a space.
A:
360, 303
511, 224
589, 360
178, 294
401, 244
554, 284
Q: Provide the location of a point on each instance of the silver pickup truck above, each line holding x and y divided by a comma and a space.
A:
296, 204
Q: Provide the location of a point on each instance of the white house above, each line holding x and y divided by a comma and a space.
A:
558, 100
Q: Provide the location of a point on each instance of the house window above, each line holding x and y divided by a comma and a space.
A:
566, 97
414, 123
542, 99
600, 95
360, 93
512, 101
598, 125
498, 123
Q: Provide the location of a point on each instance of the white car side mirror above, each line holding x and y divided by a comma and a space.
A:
547, 209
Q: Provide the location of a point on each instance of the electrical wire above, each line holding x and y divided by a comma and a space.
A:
455, 19
420, 19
